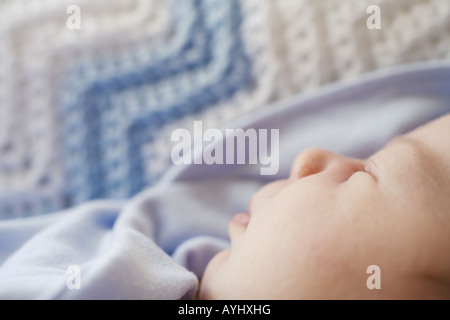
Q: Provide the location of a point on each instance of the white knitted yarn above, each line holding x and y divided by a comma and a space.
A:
294, 46
36, 51
299, 45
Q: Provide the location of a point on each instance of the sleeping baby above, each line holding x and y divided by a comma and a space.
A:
314, 235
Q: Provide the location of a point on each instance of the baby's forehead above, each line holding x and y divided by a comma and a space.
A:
424, 153
441, 124
435, 135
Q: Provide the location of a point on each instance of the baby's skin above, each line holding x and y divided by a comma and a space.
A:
315, 234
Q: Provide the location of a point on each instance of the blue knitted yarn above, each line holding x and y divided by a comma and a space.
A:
202, 64
87, 113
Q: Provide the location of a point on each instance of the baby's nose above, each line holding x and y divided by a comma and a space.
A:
314, 160
311, 161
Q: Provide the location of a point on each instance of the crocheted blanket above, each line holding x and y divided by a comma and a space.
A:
90, 91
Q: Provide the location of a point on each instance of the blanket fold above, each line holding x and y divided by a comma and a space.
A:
157, 244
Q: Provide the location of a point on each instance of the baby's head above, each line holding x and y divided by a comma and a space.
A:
314, 235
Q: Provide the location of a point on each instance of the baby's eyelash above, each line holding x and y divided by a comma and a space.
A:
368, 168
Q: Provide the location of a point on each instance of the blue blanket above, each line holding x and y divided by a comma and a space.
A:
157, 244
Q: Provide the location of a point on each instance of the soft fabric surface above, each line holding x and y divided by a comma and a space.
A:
157, 244
87, 113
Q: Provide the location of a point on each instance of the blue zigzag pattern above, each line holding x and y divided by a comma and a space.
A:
202, 64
